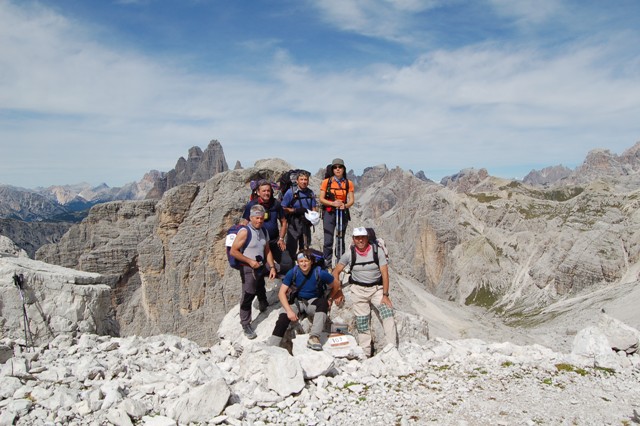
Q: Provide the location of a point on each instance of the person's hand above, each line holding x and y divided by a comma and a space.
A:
281, 244
272, 273
339, 299
254, 264
387, 301
292, 316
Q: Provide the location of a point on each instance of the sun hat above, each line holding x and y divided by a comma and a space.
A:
337, 162
360, 232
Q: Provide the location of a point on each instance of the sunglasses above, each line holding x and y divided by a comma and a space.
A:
337, 167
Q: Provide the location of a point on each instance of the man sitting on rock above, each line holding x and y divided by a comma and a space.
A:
303, 290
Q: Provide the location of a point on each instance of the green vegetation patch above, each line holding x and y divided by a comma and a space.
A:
572, 369
484, 198
482, 296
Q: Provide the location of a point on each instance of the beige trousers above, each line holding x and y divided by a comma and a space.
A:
363, 299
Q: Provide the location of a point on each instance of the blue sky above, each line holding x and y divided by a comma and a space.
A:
104, 91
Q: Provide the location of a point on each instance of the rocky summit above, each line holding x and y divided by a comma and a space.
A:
516, 304
88, 379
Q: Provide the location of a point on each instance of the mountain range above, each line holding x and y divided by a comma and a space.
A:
474, 258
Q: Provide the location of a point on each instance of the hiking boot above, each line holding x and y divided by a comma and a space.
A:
263, 305
314, 343
248, 332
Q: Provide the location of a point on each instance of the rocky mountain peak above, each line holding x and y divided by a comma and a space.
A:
547, 176
465, 180
199, 166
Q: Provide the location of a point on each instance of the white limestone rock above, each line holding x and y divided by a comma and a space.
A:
313, 363
201, 403
592, 344
620, 336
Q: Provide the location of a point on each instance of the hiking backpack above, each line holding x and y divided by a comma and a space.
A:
232, 233
289, 179
328, 172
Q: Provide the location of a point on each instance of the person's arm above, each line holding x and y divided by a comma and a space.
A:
336, 294
270, 261
241, 237
282, 296
287, 199
284, 224
351, 198
384, 270
336, 271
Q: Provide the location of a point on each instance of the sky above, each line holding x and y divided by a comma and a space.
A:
104, 91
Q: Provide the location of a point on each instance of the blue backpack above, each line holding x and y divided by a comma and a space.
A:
232, 233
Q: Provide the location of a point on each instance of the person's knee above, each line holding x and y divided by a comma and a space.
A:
321, 304
281, 325
362, 324
385, 311
247, 299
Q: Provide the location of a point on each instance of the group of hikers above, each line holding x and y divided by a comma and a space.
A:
274, 231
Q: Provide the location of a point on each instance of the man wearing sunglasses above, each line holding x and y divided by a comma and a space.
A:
336, 196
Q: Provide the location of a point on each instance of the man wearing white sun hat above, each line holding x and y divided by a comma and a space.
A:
370, 279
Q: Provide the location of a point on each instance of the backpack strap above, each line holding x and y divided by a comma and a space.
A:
376, 258
304, 280
247, 240
321, 287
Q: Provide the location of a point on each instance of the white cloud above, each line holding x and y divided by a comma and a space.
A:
386, 19
528, 11
72, 105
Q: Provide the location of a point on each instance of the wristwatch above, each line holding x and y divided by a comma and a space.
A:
385, 294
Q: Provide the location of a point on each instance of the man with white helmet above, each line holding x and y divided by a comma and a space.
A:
299, 203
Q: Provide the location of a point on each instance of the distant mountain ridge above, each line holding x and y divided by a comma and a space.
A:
63, 202
599, 163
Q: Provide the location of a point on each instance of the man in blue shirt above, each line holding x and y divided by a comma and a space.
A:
310, 283
295, 202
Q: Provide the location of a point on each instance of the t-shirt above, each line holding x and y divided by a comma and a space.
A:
365, 270
304, 198
257, 243
338, 188
273, 214
310, 288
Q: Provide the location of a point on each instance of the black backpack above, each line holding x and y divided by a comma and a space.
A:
289, 179
328, 171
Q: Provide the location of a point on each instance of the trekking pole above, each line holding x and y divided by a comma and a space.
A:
339, 236
18, 280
